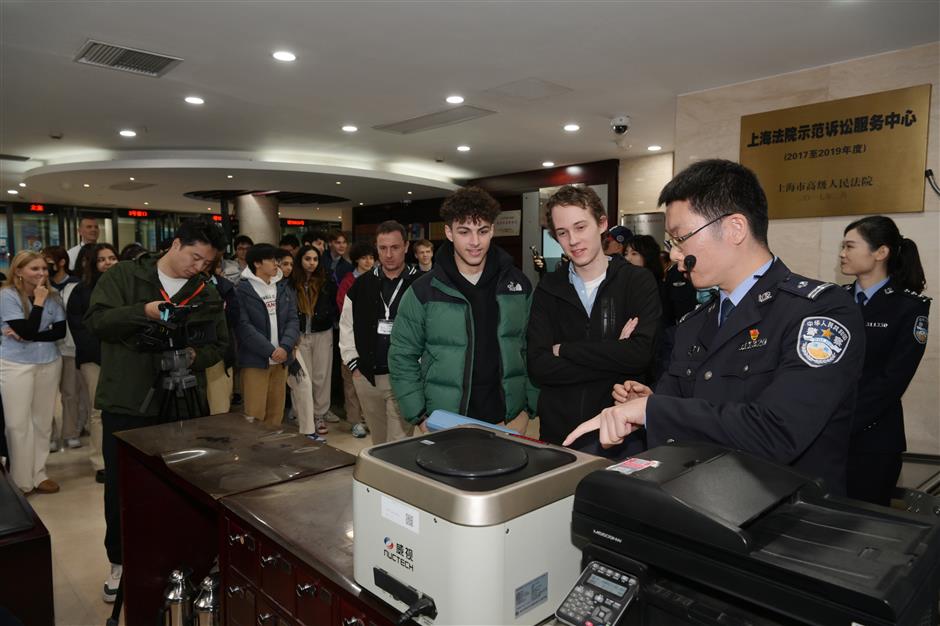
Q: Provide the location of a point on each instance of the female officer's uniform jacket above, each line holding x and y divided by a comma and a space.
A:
777, 379
895, 336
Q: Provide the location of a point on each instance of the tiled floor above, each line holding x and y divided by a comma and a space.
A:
75, 519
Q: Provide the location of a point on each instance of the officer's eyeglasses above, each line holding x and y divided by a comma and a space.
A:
675, 242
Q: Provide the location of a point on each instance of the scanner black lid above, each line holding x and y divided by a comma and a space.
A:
699, 510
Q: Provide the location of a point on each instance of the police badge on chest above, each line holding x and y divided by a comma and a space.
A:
754, 340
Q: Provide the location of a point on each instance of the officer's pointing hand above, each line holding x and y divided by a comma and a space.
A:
614, 423
630, 390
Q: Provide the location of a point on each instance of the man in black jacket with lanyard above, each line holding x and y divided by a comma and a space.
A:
771, 365
593, 322
365, 331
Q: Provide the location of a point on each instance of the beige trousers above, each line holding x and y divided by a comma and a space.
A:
264, 391
301, 395
380, 408
350, 397
218, 389
75, 403
28, 392
90, 372
317, 352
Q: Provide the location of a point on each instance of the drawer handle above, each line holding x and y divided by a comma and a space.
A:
268, 560
264, 617
243, 539
234, 589
306, 589
353, 621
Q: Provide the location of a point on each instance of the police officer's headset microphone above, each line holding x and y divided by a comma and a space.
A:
689, 263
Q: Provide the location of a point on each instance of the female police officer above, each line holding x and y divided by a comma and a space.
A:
889, 280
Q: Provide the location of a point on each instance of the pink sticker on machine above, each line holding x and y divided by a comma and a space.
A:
633, 464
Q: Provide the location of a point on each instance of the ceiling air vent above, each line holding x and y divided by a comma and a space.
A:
125, 59
455, 115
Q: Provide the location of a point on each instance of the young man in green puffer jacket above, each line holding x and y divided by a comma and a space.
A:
458, 342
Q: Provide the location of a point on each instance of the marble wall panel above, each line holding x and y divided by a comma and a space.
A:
641, 180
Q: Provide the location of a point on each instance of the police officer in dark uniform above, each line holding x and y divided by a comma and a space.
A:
889, 281
771, 365
679, 296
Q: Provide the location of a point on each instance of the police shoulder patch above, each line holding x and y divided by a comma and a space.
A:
916, 296
920, 329
822, 341
805, 287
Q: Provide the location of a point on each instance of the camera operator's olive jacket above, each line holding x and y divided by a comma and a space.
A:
116, 317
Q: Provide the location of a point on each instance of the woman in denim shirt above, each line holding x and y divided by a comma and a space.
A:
32, 319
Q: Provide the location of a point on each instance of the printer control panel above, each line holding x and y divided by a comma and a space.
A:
600, 597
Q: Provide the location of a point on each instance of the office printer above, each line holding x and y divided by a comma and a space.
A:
698, 534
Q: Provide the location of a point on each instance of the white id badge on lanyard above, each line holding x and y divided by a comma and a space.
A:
385, 326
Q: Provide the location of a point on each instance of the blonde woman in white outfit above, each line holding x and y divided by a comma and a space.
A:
32, 319
316, 307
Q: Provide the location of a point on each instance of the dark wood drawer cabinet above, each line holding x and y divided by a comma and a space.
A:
239, 600
242, 550
268, 615
277, 575
314, 600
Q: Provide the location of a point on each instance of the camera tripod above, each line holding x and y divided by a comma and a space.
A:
177, 387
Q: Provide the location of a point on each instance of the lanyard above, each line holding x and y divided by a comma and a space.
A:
388, 311
166, 296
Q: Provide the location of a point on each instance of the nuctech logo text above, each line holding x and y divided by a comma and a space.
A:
398, 553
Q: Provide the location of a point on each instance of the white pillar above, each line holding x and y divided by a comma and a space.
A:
257, 218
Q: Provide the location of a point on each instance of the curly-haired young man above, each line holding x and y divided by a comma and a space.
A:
458, 343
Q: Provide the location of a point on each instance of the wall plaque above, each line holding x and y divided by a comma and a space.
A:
852, 156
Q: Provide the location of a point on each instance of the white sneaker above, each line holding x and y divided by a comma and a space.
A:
111, 583
53, 446
359, 431
73, 443
331, 417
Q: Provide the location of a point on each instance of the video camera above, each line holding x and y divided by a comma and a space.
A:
175, 331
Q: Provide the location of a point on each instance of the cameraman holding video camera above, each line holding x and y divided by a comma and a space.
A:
128, 310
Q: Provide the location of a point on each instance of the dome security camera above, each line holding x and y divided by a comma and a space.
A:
620, 124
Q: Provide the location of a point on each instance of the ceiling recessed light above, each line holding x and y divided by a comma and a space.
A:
339, 182
230, 176
86, 185
572, 128
284, 55
654, 148
131, 178
455, 99
22, 184
208, 208
349, 128
409, 193
146, 204
12, 192
194, 100
548, 164
128, 133
463, 148
362, 204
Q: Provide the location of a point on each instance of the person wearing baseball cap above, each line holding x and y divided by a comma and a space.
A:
615, 244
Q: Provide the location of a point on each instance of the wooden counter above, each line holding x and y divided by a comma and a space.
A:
171, 477
289, 556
